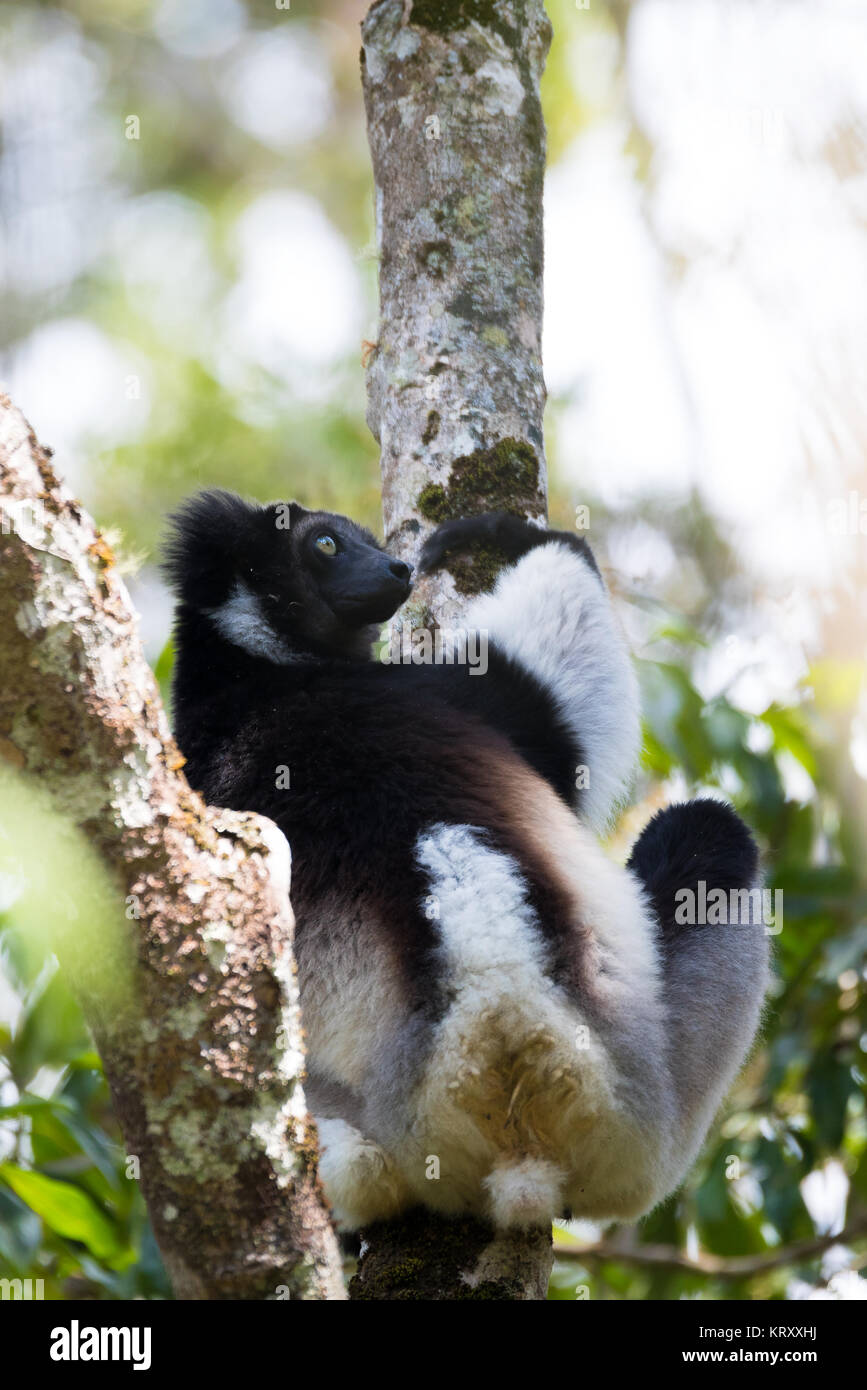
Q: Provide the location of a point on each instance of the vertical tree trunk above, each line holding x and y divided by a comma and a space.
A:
456, 397
455, 388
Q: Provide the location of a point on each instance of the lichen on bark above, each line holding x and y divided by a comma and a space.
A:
202, 1044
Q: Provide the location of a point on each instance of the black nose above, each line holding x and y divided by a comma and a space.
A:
401, 571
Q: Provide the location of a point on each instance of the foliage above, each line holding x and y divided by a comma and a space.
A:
800, 1101
69, 1215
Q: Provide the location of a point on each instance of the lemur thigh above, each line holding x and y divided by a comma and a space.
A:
550, 613
714, 975
361, 1181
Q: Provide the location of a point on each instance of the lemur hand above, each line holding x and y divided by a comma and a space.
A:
511, 534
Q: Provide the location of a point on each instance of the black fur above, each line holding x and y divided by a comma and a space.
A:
509, 533
684, 844
320, 606
376, 753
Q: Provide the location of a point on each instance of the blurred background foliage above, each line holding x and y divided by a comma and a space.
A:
188, 271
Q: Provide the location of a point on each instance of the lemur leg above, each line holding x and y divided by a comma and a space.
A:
361, 1182
551, 614
714, 975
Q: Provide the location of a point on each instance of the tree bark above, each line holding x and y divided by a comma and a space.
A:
455, 387
189, 988
455, 398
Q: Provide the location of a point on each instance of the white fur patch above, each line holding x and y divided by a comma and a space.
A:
241, 621
352, 996
360, 1181
487, 927
550, 613
525, 1192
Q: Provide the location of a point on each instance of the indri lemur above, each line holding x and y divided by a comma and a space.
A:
486, 995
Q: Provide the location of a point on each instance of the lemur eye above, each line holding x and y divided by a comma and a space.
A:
326, 545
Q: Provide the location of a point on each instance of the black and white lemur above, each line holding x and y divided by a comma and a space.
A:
499, 1018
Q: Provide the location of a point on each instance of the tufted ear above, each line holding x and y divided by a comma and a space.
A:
286, 514
207, 536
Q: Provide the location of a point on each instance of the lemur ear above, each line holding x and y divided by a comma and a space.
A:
206, 535
286, 514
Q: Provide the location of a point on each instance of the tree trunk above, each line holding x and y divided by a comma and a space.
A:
455, 398
183, 959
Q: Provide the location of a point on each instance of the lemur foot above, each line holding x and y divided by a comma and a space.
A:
361, 1181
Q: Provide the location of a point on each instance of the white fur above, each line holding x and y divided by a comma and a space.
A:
487, 927
495, 964
525, 1193
550, 613
352, 993
361, 1183
241, 621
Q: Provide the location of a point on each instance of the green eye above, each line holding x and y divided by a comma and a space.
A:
326, 545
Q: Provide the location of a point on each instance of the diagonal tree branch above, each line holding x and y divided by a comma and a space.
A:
190, 992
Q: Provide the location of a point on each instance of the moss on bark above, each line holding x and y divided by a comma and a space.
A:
445, 1251
503, 478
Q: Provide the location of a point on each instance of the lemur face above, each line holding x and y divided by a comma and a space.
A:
278, 578
331, 568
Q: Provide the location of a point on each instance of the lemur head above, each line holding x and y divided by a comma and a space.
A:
279, 581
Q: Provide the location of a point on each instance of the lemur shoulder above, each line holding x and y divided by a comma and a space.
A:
480, 983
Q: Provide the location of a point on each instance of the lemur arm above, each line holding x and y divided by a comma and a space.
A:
512, 534
550, 615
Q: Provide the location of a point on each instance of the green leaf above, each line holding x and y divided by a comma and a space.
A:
28, 1104
676, 628
726, 727
163, 668
791, 733
829, 1087
64, 1209
50, 1031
